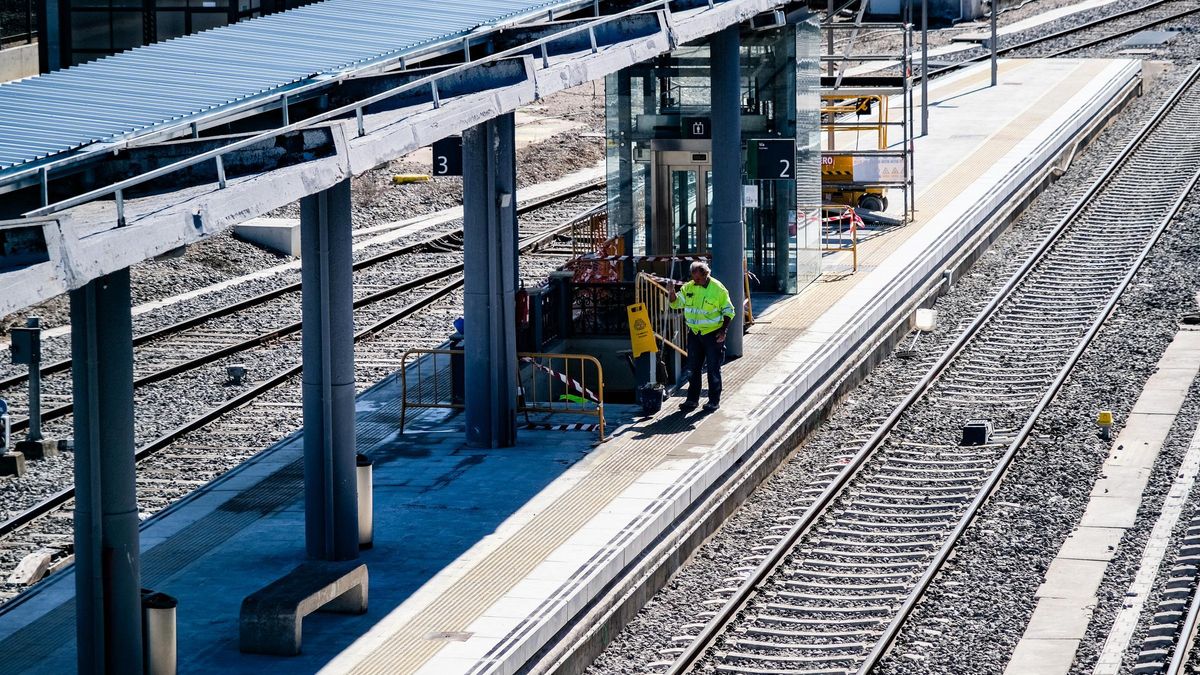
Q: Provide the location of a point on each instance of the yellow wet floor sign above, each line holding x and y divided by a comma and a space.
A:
640, 333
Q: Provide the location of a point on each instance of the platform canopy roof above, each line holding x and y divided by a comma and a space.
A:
168, 83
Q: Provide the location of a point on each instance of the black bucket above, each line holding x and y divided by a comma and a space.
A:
651, 396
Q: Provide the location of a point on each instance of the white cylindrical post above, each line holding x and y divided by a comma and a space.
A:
158, 633
366, 514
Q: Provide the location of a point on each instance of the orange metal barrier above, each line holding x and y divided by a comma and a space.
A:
561, 384
589, 237
667, 323
553, 384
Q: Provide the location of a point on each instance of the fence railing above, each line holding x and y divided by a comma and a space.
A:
590, 239
667, 323
599, 308
550, 384
432, 382
562, 384
18, 22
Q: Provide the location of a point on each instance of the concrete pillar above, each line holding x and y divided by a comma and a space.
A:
490, 270
725, 221
330, 493
49, 28
108, 612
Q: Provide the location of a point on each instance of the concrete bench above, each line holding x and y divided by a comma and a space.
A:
272, 616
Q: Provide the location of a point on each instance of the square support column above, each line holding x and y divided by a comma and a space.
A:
108, 612
330, 492
489, 285
728, 230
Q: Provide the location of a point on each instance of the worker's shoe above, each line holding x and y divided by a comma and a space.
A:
1191, 319
688, 406
710, 406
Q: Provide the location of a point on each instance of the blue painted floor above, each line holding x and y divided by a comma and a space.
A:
434, 499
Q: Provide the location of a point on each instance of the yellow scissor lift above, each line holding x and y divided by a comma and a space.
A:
837, 167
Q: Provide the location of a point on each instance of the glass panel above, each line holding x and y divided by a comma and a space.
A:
683, 209
621, 167
127, 30
708, 187
807, 216
169, 24
91, 31
205, 20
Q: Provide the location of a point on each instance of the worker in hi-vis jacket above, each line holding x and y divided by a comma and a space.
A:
707, 312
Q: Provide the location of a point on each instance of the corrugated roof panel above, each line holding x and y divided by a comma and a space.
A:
140, 89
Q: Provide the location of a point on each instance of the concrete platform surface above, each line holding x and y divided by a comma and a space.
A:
482, 557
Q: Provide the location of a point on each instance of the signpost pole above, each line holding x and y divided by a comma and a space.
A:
35, 380
995, 65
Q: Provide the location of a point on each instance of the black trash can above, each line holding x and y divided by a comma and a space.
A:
458, 389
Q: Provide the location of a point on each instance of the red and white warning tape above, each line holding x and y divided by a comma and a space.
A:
576, 426
585, 392
639, 258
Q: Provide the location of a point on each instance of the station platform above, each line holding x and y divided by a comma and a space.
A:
483, 557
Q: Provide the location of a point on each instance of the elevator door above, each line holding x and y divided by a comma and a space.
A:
683, 197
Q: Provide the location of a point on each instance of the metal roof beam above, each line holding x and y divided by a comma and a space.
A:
609, 33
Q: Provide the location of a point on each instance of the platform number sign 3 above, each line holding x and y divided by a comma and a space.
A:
447, 157
773, 159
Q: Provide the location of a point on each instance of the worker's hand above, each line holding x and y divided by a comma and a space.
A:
721, 335
673, 294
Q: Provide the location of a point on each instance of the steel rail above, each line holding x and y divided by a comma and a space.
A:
1125, 32
63, 496
254, 341
749, 588
63, 365
1187, 636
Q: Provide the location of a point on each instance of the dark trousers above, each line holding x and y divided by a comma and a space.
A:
704, 350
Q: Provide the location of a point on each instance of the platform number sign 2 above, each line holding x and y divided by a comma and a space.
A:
448, 157
773, 159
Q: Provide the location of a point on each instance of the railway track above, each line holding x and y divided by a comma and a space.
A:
1170, 642
833, 590
1131, 21
190, 454
222, 332
537, 224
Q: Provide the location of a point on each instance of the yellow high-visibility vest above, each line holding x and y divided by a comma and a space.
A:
704, 307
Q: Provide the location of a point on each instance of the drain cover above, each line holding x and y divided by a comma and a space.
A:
1150, 38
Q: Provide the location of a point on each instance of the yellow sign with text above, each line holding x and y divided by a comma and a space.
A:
640, 332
